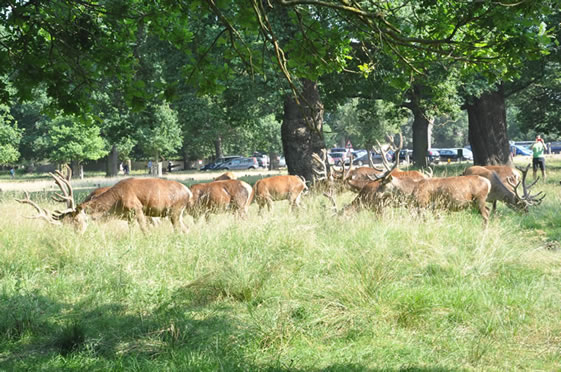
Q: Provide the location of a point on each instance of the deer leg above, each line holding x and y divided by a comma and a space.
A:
483, 210
141, 219
177, 222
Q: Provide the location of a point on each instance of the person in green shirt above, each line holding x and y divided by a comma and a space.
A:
538, 160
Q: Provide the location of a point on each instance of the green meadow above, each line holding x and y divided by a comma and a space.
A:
286, 292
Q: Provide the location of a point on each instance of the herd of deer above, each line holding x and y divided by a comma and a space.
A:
139, 198
377, 188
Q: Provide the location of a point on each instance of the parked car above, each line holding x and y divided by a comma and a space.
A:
520, 150
454, 155
433, 156
213, 165
359, 153
337, 149
262, 159
239, 163
338, 157
403, 155
555, 147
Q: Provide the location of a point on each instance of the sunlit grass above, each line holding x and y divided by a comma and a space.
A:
309, 291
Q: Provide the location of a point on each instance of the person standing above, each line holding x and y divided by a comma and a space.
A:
538, 160
149, 166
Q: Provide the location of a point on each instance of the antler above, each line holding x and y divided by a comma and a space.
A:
66, 189
392, 147
371, 161
389, 168
346, 171
322, 174
535, 199
428, 172
43, 213
331, 198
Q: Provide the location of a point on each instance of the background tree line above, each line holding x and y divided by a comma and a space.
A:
197, 79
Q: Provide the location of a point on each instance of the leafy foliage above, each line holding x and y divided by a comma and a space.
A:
67, 138
10, 136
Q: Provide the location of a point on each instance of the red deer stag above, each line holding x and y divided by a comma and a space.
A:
452, 193
357, 178
95, 193
216, 196
504, 183
130, 198
279, 188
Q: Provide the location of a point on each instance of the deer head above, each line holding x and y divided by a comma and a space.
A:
525, 200
55, 217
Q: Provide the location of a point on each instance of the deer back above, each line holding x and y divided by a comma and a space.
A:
154, 195
226, 176
278, 187
453, 191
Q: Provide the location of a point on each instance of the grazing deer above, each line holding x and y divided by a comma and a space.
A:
216, 196
226, 176
130, 198
504, 184
95, 193
452, 193
356, 179
279, 188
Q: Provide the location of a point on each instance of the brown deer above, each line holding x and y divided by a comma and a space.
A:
226, 176
95, 193
452, 193
356, 179
130, 198
279, 188
504, 183
217, 196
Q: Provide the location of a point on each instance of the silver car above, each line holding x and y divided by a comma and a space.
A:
239, 163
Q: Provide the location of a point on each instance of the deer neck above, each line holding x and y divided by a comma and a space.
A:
100, 205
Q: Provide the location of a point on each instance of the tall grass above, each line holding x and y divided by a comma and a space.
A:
306, 291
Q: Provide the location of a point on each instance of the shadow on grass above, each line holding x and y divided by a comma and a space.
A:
39, 333
36, 331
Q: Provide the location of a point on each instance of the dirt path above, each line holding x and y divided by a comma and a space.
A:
47, 184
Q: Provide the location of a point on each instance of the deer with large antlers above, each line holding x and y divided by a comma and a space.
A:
504, 186
132, 198
452, 193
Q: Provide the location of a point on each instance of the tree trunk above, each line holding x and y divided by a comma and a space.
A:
487, 129
112, 169
421, 133
78, 169
218, 147
186, 164
302, 130
157, 166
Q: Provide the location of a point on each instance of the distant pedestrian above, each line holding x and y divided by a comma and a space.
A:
170, 166
12, 172
149, 166
126, 169
538, 160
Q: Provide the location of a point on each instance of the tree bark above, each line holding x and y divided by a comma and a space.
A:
487, 129
112, 169
218, 147
421, 135
302, 130
78, 169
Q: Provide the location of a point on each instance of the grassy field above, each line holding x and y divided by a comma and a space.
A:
286, 292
